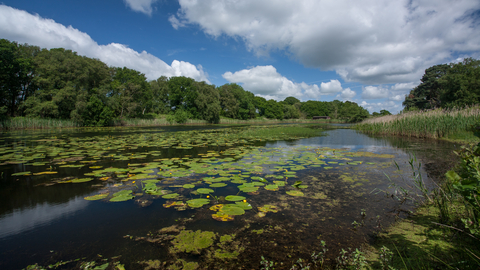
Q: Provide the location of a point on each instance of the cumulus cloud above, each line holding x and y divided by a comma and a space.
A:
143, 6
265, 81
392, 107
367, 41
374, 92
347, 94
23, 27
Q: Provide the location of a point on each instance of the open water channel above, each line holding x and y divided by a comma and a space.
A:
180, 197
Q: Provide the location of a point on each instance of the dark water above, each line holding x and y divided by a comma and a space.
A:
44, 221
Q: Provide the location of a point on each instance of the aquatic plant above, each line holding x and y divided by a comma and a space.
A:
192, 242
437, 123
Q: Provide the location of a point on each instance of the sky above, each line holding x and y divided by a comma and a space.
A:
372, 52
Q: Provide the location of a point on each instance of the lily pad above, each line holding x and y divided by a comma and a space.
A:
81, 180
218, 185
170, 196
188, 186
196, 203
96, 197
22, 173
204, 190
233, 198
232, 210
271, 187
244, 205
295, 193
222, 217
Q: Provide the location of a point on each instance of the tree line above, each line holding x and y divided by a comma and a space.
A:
447, 86
60, 84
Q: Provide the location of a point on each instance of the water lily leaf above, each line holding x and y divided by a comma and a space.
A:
121, 198
271, 187
96, 197
248, 189
268, 208
302, 186
204, 190
222, 217
297, 183
81, 180
295, 193
196, 203
244, 205
188, 186
170, 196
47, 172
279, 183
22, 173
232, 210
233, 198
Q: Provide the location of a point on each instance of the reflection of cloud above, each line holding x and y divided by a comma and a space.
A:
41, 214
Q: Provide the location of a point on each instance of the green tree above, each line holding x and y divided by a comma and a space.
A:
315, 108
182, 94
130, 94
260, 104
236, 102
208, 102
273, 110
385, 112
160, 92
63, 78
461, 84
291, 100
427, 94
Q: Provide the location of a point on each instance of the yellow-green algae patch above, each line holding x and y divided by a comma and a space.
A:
192, 242
417, 242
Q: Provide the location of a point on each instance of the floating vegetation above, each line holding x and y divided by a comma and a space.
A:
196, 203
123, 195
80, 180
96, 197
295, 193
192, 242
233, 198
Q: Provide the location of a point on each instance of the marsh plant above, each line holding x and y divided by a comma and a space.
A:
351, 260
266, 264
386, 256
319, 258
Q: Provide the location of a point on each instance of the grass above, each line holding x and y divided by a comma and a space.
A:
437, 123
35, 123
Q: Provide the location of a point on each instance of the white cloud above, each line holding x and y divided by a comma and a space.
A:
23, 27
143, 6
374, 92
398, 98
390, 106
265, 81
347, 94
368, 41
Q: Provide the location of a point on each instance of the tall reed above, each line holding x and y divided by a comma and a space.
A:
35, 123
423, 124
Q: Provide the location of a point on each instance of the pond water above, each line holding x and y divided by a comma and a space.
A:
185, 196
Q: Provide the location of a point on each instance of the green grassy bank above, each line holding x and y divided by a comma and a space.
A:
160, 120
454, 124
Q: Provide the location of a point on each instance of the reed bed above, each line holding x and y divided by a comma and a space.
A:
437, 123
35, 123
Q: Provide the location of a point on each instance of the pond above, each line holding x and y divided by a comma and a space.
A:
187, 197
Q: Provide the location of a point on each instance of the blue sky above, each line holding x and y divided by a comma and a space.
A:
371, 52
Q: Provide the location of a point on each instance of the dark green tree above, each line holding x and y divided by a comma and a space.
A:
273, 110
461, 84
182, 94
208, 102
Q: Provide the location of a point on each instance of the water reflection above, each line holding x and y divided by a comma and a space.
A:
39, 215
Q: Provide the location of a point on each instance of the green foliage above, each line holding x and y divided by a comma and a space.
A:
181, 116
96, 113
273, 110
447, 86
